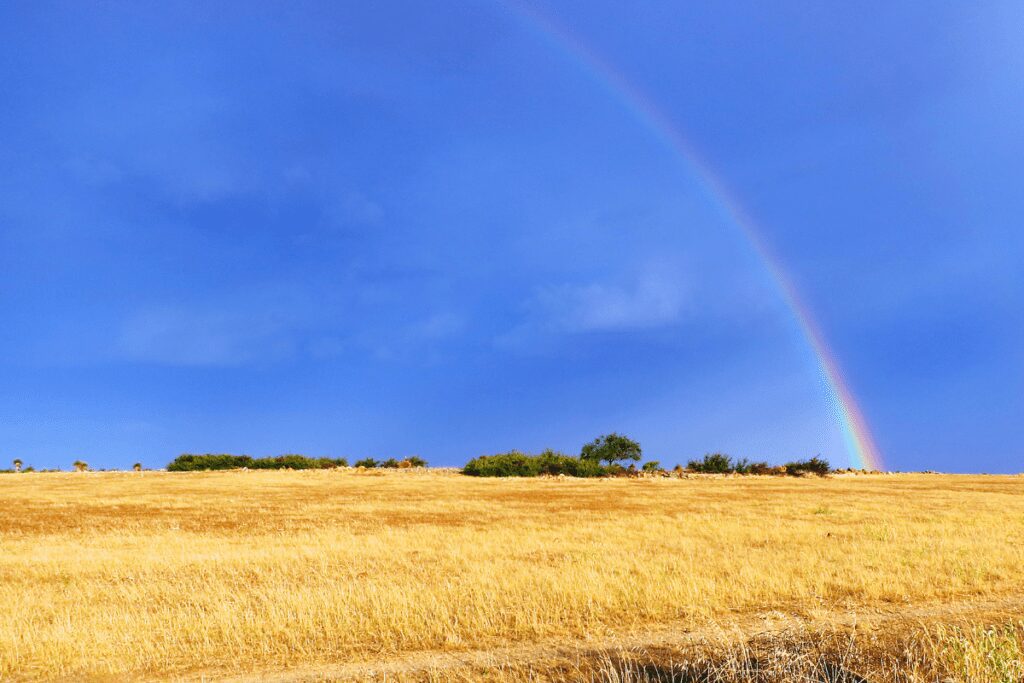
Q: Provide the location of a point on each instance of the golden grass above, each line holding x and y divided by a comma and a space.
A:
155, 574
911, 654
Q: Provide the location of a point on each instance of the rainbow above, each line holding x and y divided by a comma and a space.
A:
856, 434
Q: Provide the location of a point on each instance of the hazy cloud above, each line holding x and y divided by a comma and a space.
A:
178, 336
653, 300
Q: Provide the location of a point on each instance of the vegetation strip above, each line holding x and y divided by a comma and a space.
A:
960, 630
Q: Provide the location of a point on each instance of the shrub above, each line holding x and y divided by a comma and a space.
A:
611, 448
190, 463
519, 464
815, 465
713, 463
368, 463
760, 468
416, 461
390, 463
651, 466
744, 466
511, 464
616, 470
296, 462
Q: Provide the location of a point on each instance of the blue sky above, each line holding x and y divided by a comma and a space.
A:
375, 230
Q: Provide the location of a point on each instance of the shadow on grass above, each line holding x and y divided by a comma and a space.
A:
750, 670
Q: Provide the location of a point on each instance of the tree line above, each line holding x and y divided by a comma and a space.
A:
190, 462
617, 455
608, 455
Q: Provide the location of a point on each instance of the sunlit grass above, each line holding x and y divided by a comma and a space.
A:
114, 573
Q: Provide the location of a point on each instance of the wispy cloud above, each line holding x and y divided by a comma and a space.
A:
652, 300
655, 297
179, 336
261, 323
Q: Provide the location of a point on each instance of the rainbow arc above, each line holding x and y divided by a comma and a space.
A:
857, 435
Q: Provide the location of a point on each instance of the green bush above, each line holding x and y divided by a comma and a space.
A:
189, 462
416, 461
519, 464
368, 463
759, 468
511, 464
815, 465
744, 466
651, 466
297, 462
713, 463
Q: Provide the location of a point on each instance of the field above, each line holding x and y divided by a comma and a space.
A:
341, 574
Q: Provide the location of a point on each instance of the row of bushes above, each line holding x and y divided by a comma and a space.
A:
612, 449
519, 464
370, 463
189, 462
718, 463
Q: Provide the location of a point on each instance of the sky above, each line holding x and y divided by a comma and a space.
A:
394, 228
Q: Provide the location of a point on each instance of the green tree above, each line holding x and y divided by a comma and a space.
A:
17, 464
80, 465
611, 448
369, 463
651, 466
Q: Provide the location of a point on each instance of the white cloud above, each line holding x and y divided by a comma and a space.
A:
654, 299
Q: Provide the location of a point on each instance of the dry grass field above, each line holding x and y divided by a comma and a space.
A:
323, 575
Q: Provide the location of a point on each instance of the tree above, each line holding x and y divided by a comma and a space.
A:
17, 464
80, 465
137, 467
611, 448
367, 462
651, 466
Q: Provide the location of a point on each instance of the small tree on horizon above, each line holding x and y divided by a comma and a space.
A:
80, 465
17, 464
611, 448
137, 467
